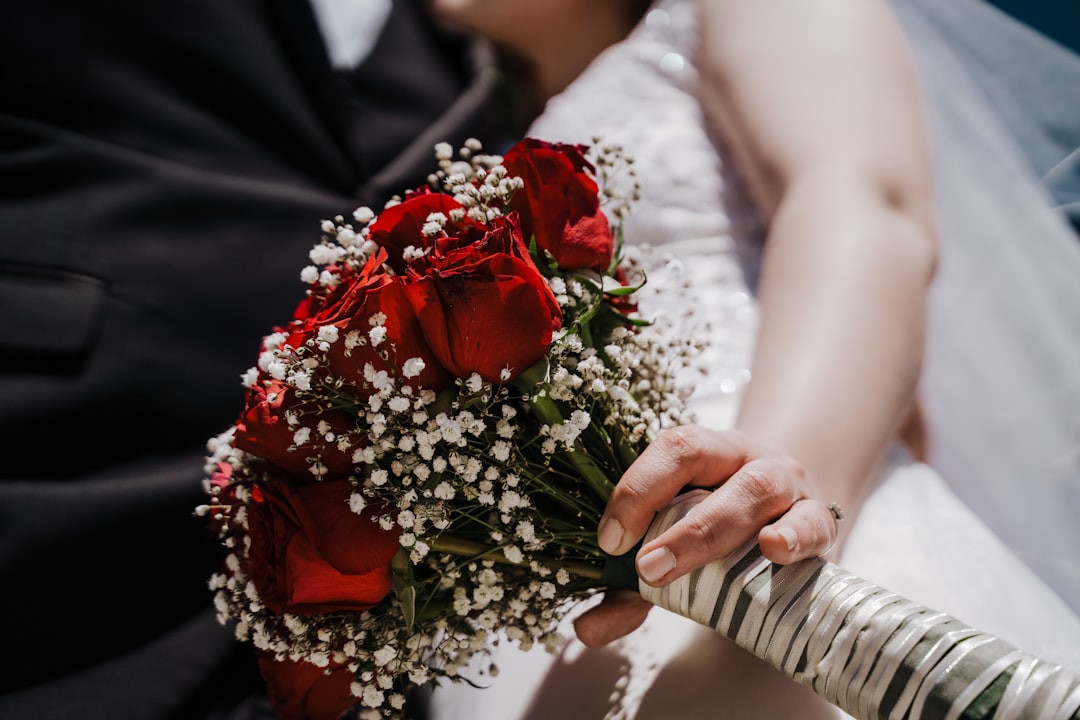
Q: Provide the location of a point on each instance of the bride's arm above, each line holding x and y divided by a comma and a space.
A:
819, 103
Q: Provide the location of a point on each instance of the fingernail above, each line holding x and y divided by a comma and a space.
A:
655, 564
610, 535
789, 536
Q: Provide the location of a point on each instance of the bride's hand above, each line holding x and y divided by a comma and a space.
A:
759, 491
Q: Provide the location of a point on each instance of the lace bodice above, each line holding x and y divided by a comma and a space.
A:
701, 234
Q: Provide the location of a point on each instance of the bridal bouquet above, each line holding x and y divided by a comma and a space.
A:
428, 444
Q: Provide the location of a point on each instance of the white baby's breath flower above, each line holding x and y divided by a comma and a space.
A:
505, 429
363, 215
434, 224
250, 377
364, 455
299, 380
474, 383
371, 696
348, 238
419, 551
354, 339
379, 379
450, 428
469, 470
526, 531
385, 655
325, 254
377, 335
500, 450
357, 502
327, 334
413, 367
406, 518
275, 367
512, 500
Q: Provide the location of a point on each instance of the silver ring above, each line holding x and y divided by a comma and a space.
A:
837, 512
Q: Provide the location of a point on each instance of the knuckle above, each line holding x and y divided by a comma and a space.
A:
768, 488
699, 530
757, 487
682, 444
629, 491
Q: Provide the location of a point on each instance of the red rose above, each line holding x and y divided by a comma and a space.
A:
482, 305
310, 554
320, 296
301, 691
559, 205
263, 429
223, 497
401, 226
350, 309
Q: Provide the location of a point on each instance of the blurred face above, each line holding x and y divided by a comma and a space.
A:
515, 24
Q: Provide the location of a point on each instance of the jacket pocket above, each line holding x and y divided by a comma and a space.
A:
47, 313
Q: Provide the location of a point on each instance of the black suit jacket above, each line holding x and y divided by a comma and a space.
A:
164, 168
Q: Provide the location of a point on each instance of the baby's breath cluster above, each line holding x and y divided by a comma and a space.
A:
619, 186
492, 488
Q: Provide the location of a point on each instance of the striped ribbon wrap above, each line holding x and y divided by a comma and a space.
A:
872, 653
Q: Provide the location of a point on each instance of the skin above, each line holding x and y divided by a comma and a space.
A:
557, 37
819, 105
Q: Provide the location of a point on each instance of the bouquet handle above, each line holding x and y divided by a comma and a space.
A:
872, 653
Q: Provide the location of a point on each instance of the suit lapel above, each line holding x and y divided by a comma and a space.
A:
419, 85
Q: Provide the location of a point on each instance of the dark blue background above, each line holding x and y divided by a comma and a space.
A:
1059, 19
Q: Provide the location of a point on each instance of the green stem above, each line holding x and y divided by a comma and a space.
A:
548, 412
458, 546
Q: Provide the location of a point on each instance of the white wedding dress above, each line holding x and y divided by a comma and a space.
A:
914, 536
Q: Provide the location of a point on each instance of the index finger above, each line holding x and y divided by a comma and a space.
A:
683, 456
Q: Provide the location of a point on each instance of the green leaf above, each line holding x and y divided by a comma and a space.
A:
404, 586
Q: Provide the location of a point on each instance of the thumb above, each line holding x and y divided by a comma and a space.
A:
619, 613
